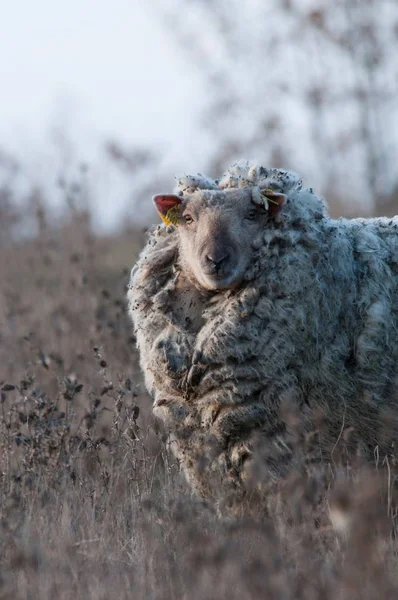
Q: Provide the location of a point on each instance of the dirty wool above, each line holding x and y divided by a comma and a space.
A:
312, 324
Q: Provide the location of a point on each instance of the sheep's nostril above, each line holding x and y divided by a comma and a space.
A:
216, 263
216, 260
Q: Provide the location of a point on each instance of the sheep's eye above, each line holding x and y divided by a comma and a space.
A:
188, 219
251, 215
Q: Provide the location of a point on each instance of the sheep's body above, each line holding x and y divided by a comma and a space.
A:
316, 317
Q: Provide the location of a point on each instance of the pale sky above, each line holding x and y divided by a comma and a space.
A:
98, 69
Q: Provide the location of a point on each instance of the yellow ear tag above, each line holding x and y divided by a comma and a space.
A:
271, 193
172, 216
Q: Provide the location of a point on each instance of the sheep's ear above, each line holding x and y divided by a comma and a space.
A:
168, 207
275, 201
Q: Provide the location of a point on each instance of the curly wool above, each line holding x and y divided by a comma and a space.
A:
316, 318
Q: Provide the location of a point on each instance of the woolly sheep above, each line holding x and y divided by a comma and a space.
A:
255, 294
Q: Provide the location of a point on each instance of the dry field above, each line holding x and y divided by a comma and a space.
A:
91, 505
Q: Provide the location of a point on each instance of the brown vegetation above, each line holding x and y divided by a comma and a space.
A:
92, 506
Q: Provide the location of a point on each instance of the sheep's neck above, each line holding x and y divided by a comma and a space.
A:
188, 304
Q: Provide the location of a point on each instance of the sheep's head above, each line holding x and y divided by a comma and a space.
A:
217, 230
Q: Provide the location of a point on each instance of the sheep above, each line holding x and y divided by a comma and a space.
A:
250, 294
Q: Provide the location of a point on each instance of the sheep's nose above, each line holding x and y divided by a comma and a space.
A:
216, 260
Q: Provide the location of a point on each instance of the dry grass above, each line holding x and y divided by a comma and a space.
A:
91, 505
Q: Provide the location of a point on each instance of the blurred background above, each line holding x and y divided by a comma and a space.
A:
102, 104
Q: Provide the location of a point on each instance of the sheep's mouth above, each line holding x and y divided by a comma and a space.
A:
222, 281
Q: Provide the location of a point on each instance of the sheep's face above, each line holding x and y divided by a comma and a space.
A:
216, 232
